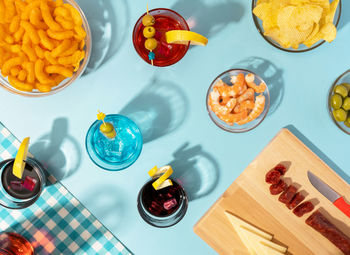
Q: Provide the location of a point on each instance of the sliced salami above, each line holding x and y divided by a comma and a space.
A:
277, 188
288, 194
326, 228
297, 199
281, 168
303, 208
273, 176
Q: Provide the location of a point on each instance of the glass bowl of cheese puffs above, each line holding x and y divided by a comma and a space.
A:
45, 47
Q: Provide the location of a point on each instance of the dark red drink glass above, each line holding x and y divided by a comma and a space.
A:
14, 244
165, 54
164, 207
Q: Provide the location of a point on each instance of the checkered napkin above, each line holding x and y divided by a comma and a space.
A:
57, 223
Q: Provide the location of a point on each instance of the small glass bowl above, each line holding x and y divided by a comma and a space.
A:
344, 78
225, 77
302, 47
65, 83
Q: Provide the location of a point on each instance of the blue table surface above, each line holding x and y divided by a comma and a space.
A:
170, 102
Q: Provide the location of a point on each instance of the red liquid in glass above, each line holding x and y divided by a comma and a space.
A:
14, 244
165, 54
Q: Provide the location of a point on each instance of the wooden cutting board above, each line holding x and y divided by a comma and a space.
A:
249, 198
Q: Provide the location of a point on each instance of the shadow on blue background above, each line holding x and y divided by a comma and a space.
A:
270, 73
318, 152
160, 108
196, 170
209, 19
57, 151
109, 21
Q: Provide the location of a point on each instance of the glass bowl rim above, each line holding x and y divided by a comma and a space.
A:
8, 87
267, 104
161, 9
316, 45
330, 94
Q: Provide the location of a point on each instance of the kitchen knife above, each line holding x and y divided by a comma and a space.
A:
329, 193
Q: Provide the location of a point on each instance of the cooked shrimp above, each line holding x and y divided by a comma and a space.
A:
250, 78
232, 118
245, 105
239, 86
257, 110
249, 93
216, 104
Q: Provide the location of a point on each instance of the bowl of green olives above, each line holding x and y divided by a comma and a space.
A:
339, 102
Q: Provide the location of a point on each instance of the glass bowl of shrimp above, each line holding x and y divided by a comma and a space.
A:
238, 100
55, 81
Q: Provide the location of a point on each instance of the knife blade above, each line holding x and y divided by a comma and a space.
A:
329, 193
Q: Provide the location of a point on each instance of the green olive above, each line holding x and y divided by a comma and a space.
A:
336, 101
346, 104
151, 44
346, 85
340, 114
347, 122
148, 20
341, 90
106, 128
149, 32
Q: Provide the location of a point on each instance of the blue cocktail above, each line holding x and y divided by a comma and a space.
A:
114, 149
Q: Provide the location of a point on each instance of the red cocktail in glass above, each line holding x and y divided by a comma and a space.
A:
14, 244
165, 54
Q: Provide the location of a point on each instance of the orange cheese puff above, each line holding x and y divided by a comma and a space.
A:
15, 48
15, 71
9, 39
39, 72
81, 44
63, 12
45, 12
48, 56
45, 41
63, 46
59, 78
29, 7
43, 87
31, 31
10, 10
18, 35
22, 75
70, 51
35, 18
26, 39
24, 86
58, 3
39, 51
29, 51
2, 12
29, 67
75, 14
20, 5
60, 35
14, 25
80, 32
12, 62
60, 70
66, 24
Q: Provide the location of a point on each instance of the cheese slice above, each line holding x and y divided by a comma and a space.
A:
246, 242
266, 250
256, 240
235, 221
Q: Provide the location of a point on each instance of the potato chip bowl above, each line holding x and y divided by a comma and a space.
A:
68, 81
302, 47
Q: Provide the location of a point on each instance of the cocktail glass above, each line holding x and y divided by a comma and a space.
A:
14, 244
18, 193
117, 153
162, 208
165, 54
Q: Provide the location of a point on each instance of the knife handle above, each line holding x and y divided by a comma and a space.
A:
342, 206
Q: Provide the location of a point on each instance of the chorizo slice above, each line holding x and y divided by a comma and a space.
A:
272, 176
288, 194
277, 188
297, 199
303, 208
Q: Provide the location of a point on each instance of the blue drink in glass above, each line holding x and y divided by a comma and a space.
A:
116, 153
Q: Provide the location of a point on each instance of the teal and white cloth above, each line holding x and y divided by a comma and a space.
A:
57, 223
